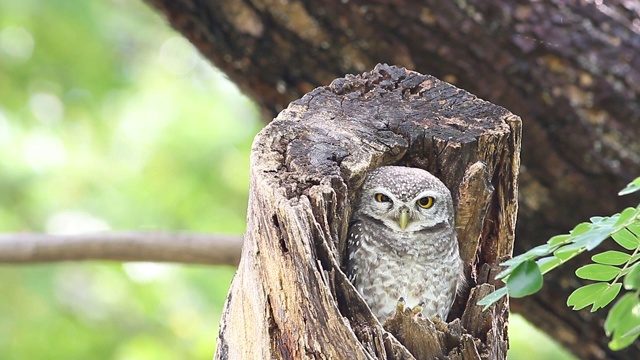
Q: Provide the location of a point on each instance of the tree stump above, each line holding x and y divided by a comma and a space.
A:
290, 298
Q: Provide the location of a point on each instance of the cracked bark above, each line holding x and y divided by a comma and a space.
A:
570, 69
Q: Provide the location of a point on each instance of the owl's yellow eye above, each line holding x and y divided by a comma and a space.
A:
381, 197
425, 202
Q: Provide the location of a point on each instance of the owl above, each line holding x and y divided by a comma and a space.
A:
402, 243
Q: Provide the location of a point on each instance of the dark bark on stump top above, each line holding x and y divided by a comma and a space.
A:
289, 298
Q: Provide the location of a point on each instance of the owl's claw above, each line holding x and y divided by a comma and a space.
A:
439, 323
401, 307
417, 310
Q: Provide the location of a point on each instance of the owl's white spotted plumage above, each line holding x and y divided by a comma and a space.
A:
402, 243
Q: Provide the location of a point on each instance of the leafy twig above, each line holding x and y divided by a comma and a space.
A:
524, 273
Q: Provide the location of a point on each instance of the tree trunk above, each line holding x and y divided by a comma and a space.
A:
570, 69
290, 298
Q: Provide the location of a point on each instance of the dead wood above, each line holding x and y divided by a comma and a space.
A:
290, 298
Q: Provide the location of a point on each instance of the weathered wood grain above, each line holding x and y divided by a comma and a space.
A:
290, 298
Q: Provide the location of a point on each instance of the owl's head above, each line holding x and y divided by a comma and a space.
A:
405, 199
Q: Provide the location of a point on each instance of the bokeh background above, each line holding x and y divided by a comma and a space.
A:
110, 120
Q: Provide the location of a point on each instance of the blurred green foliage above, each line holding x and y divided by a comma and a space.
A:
110, 120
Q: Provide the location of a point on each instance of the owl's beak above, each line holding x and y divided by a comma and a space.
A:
403, 219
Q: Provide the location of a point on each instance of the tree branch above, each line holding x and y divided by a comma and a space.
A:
122, 246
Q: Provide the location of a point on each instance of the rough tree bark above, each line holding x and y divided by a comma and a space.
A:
570, 69
290, 298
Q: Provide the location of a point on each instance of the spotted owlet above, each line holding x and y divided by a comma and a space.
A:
402, 243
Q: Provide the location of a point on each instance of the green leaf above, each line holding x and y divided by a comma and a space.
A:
611, 257
619, 312
586, 236
547, 264
625, 215
619, 342
631, 187
635, 229
586, 295
580, 229
559, 240
597, 272
632, 279
626, 239
627, 319
568, 251
540, 250
504, 273
492, 298
533, 253
514, 261
607, 296
525, 279
596, 235
633, 332
517, 260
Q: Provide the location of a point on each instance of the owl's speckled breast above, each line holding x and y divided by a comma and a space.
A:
426, 278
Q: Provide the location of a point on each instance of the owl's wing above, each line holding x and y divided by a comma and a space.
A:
353, 242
